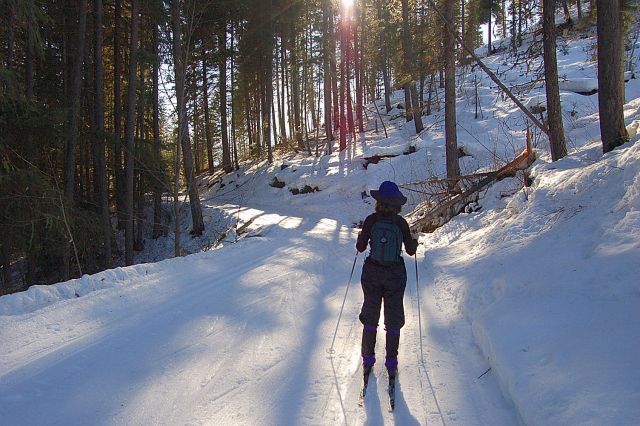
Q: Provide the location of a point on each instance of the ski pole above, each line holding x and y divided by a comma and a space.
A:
415, 256
330, 350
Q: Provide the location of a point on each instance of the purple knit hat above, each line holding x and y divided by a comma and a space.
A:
389, 193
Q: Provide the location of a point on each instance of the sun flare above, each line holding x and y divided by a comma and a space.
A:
347, 3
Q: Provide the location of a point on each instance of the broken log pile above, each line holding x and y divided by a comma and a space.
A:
441, 207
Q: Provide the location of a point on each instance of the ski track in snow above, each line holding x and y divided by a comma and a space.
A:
206, 340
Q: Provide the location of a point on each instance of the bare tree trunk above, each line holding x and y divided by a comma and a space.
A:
611, 90
554, 109
99, 155
451, 136
130, 128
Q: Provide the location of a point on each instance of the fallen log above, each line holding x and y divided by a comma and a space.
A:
446, 210
239, 230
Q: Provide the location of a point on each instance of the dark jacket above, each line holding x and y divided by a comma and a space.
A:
410, 245
384, 280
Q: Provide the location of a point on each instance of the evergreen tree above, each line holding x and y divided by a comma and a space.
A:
611, 93
554, 109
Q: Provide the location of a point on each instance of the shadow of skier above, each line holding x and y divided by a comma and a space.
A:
401, 414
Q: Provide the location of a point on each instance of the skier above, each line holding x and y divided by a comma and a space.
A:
384, 276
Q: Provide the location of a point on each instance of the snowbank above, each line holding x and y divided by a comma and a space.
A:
550, 283
39, 296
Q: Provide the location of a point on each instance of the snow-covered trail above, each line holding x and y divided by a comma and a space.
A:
437, 385
239, 336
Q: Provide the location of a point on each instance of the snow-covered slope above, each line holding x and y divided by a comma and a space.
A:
540, 286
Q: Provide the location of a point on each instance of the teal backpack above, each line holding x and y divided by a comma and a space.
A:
386, 241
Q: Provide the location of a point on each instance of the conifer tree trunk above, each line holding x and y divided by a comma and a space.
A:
385, 68
565, 7
30, 59
295, 82
267, 86
31, 30
349, 101
358, 71
611, 90
99, 156
579, 10
283, 128
222, 66
431, 86
274, 121
183, 129
117, 112
334, 78
72, 142
207, 118
554, 109
326, 57
451, 136
343, 83
233, 103
157, 146
10, 46
489, 28
5, 255
196, 127
129, 135
410, 86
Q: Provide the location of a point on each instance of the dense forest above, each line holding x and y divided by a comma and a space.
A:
109, 108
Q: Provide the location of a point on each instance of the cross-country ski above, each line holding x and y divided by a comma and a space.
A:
392, 392
363, 388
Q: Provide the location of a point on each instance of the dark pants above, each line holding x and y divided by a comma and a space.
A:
380, 283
